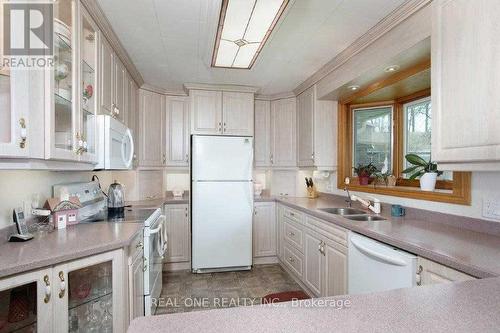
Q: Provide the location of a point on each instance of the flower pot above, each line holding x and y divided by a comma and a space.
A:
428, 181
364, 180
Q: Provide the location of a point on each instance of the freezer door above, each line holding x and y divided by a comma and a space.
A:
222, 224
222, 158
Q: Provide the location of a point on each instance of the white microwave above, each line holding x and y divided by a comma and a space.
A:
115, 145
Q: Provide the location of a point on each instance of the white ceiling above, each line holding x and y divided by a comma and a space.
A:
171, 41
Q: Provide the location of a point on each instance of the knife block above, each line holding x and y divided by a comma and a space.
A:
311, 192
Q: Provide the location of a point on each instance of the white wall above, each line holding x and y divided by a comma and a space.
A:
18, 187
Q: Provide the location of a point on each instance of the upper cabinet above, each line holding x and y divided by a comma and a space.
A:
316, 131
221, 112
119, 90
465, 85
262, 140
237, 113
177, 131
283, 138
106, 77
151, 133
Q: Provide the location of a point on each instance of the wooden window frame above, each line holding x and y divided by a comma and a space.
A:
456, 191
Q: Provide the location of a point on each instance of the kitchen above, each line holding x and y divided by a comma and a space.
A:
156, 169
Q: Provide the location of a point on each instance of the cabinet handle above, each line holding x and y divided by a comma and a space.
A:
312, 156
271, 158
290, 259
291, 234
220, 127
47, 289
225, 127
63, 285
164, 158
139, 245
419, 275
24, 135
187, 158
144, 264
292, 214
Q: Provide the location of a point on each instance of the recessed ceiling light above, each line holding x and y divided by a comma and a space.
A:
354, 87
392, 68
244, 27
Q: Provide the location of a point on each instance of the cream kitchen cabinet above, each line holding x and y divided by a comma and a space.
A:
221, 112
237, 113
151, 129
430, 272
136, 278
106, 77
83, 294
264, 230
262, 138
119, 85
314, 266
178, 233
283, 138
177, 131
465, 85
316, 131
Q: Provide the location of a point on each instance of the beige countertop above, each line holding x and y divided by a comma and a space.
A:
62, 245
159, 202
471, 306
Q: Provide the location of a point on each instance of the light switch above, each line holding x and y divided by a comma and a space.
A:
491, 208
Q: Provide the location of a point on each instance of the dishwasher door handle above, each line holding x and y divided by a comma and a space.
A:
380, 256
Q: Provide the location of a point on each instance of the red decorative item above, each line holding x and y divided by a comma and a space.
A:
89, 91
285, 296
83, 290
18, 307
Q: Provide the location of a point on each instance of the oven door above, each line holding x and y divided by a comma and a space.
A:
121, 146
154, 251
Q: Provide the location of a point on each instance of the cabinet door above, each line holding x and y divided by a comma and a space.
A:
178, 233
106, 75
305, 130
89, 294
313, 274
177, 131
133, 115
136, 287
325, 134
151, 152
433, 273
26, 302
465, 85
89, 42
206, 112
262, 139
119, 89
264, 230
237, 111
281, 235
335, 269
283, 152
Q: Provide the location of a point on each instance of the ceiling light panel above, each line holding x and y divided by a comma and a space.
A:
244, 26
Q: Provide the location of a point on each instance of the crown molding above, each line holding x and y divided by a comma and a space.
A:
396, 17
275, 96
98, 15
162, 91
223, 87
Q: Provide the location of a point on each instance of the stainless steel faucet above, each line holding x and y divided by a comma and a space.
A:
347, 180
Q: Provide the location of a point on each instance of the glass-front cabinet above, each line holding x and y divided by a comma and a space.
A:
71, 104
84, 295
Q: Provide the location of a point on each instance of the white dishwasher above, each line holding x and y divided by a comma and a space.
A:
375, 266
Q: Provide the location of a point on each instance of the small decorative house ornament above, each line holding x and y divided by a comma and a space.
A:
64, 212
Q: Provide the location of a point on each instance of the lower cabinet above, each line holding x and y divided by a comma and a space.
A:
264, 230
178, 233
81, 295
431, 272
136, 278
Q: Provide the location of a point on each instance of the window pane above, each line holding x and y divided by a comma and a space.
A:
373, 137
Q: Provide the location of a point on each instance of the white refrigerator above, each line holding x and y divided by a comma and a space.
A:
222, 203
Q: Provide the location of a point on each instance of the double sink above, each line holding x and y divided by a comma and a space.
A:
352, 214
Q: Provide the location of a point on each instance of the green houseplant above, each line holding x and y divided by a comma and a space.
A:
364, 172
426, 170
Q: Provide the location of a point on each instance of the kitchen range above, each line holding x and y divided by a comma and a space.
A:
249, 165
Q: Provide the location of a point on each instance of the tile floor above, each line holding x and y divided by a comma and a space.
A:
183, 291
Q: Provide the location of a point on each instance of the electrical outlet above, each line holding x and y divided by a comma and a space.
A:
491, 208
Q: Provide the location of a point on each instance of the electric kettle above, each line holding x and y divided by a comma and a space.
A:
116, 200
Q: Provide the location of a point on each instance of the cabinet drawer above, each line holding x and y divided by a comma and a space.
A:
294, 215
328, 229
293, 235
294, 260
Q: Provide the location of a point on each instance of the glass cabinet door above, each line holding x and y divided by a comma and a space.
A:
64, 122
88, 81
25, 303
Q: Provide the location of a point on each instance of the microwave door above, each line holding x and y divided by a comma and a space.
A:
127, 149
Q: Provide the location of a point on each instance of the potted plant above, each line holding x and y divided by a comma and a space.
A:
364, 172
427, 171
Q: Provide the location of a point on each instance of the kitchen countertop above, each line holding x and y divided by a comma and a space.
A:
158, 203
62, 245
471, 252
470, 306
